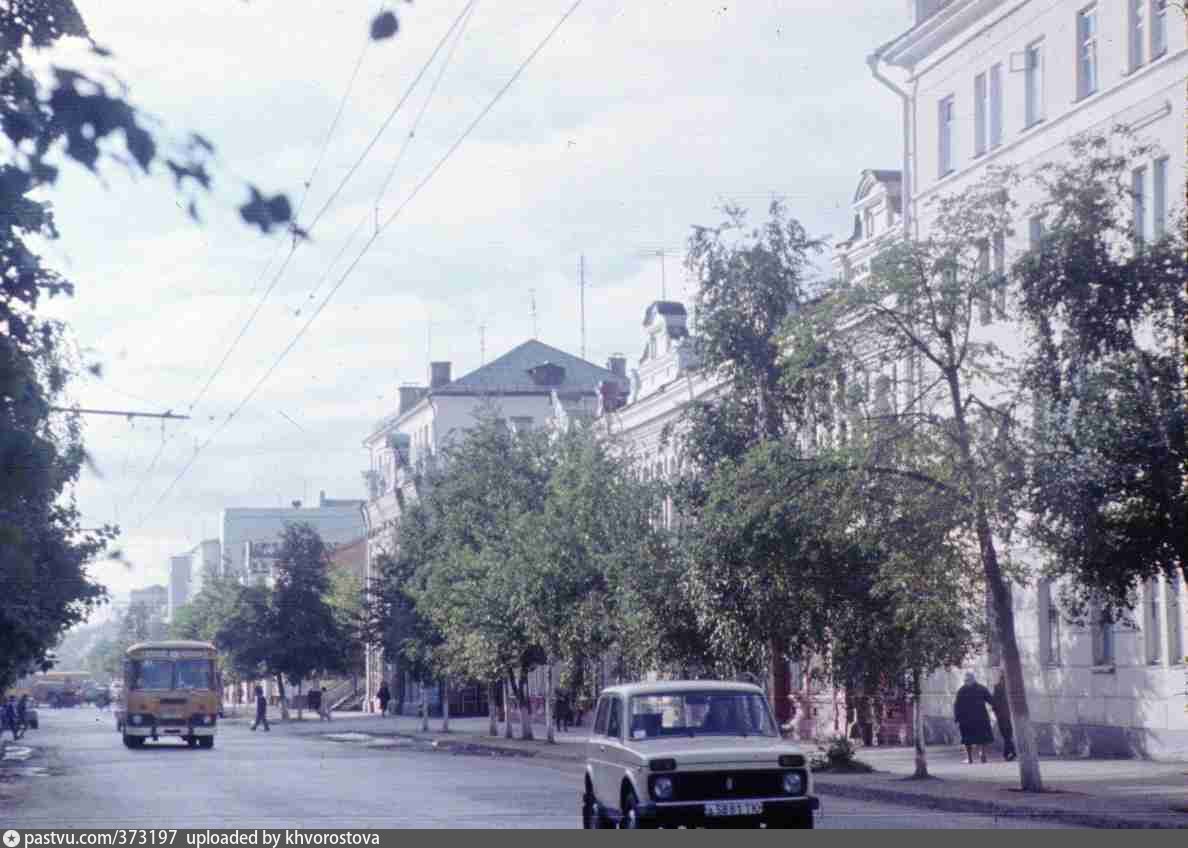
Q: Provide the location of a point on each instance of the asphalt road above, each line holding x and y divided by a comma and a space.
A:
80, 775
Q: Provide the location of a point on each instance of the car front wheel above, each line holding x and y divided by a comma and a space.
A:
593, 816
631, 819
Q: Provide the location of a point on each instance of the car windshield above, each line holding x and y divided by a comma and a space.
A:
718, 713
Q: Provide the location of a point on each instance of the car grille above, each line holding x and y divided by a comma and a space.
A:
712, 785
173, 700
172, 722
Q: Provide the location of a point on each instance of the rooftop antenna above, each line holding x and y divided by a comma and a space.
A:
532, 310
663, 252
582, 300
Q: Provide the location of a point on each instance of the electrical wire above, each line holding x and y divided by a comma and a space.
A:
371, 241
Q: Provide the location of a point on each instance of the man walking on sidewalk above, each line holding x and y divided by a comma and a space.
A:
261, 709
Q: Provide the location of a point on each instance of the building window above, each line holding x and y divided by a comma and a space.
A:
945, 132
981, 106
1138, 184
1035, 232
1158, 28
995, 105
1159, 198
1103, 638
998, 258
985, 283
1175, 622
1151, 621
1033, 81
1138, 25
868, 222
1049, 625
521, 423
1086, 51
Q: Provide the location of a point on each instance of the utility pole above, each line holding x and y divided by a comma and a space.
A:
663, 279
582, 300
168, 415
532, 310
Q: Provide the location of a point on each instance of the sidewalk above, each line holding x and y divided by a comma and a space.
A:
1093, 793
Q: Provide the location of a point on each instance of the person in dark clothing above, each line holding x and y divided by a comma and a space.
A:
8, 717
1002, 713
22, 714
969, 710
314, 700
383, 696
261, 709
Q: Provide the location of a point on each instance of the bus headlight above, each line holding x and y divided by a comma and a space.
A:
135, 719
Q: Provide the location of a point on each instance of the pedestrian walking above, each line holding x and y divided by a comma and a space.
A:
314, 700
22, 714
1002, 713
383, 696
969, 710
261, 709
8, 718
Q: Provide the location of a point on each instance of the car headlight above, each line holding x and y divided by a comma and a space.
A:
793, 783
135, 719
662, 788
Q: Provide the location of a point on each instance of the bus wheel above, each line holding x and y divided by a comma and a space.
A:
206, 741
133, 741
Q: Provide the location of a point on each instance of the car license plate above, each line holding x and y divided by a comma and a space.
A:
734, 808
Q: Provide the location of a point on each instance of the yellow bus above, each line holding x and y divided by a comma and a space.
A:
171, 688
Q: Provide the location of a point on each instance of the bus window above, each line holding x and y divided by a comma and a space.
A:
152, 674
194, 674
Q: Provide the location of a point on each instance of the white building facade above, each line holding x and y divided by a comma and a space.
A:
533, 385
1000, 82
247, 529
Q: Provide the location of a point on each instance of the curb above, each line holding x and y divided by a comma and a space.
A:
996, 808
470, 745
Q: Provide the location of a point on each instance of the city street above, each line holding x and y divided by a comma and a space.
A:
80, 775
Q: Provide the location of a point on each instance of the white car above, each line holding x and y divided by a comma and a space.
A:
692, 753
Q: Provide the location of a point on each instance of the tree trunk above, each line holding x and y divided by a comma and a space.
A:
1029, 769
424, 707
284, 703
550, 733
492, 707
300, 705
445, 705
918, 728
507, 706
525, 704
778, 682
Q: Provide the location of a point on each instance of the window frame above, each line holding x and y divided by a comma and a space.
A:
994, 105
981, 114
1138, 192
1088, 69
1159, 170
1033, 83
946, 118
1137, 39
1157, 24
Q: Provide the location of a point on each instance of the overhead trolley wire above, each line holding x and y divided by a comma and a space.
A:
371, 241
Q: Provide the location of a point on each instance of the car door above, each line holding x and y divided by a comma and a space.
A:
596, 750
612, 754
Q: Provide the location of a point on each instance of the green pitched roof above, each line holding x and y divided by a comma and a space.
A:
509, 373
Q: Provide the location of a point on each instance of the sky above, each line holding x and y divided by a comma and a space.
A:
636, 121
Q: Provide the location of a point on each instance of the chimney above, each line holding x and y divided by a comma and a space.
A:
409, 396
617, 365
439, 374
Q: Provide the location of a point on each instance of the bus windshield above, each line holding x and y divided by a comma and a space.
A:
172, 674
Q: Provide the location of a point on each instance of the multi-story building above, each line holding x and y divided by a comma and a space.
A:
179, 584
990, 83
248, 533
533, 385
155, 600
